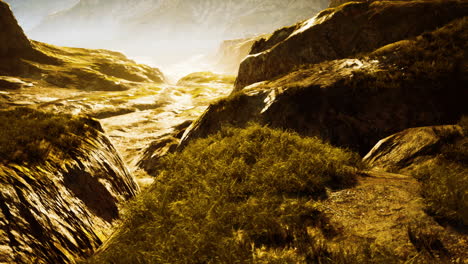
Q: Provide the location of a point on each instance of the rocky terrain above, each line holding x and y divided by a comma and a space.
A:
62, 192
352, 102
263, 167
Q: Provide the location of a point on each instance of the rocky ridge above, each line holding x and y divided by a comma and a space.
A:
344, 32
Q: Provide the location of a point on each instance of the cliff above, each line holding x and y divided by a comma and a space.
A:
231, 53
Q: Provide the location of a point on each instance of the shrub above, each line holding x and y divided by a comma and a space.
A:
445, 183
31, 136
228, 196
445, 190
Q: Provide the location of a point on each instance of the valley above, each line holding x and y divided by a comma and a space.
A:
335, 133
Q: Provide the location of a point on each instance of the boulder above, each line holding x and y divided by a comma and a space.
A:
405, 148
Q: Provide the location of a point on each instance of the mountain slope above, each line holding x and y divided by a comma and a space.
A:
66, 67
344, 32
355, 102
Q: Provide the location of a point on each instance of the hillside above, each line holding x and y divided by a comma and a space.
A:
66, 67
352, 102
272, 173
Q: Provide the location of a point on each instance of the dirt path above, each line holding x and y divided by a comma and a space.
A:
380, 209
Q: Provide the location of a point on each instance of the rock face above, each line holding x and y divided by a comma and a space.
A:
62, 210
356, 102
343, 32
406, 148
13, 41
66, 67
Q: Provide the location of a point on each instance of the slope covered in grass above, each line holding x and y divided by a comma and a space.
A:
239, 196
30, 136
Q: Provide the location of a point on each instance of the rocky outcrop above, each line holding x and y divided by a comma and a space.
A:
411, 146
66, 67
7, 83
343, 32
63, 209
356, 102
13, 41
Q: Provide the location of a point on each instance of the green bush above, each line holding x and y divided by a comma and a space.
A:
31, 136
227, 197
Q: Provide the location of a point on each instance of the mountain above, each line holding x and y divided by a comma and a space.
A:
13, 41
341, 33
156, 28
352, 78
66, 67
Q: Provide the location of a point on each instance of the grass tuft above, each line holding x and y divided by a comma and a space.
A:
239, 196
